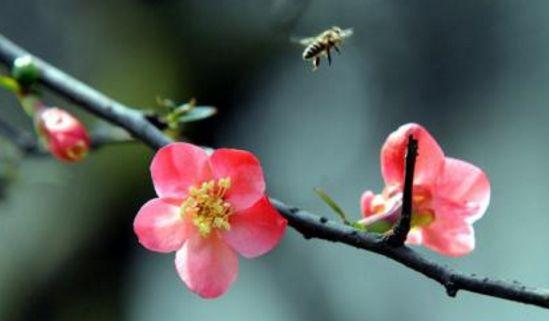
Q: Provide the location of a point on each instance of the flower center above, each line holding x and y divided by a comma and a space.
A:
422, 219
423, 213
206, 208
78, 151
385, 209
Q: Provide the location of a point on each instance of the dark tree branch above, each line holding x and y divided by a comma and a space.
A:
313, 226
310, 225
398, 234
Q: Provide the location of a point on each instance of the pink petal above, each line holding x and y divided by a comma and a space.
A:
178, 166
429, 163
159, 225
415, 237
366, 202
207, 265
256, 230
451, 238
463, 190
244, 170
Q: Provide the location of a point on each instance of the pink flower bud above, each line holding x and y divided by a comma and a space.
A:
65, 136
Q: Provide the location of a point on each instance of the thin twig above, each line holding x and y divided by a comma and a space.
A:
91, 100
397, 236
309, 225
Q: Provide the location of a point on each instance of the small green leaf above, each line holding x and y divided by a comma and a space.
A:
10, 84
359, 226
165, 102
197, 113
184, 108
380, 227
184, 113
332, 204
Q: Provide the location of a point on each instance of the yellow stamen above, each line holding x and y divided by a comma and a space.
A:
206, 207
78, 151
422, 219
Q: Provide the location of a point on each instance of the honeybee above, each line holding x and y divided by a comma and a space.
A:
322, 44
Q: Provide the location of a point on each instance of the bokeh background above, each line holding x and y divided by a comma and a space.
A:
475, 73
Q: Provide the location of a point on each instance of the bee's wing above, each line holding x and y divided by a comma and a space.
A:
303, 41
347, 33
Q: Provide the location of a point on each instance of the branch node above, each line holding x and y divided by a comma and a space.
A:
451, 289
450, 286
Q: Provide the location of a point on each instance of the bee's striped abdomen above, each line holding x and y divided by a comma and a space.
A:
313, 50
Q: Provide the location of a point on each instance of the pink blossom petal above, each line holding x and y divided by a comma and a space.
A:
429, 163
451, 238
415, 237
178, 166
207, 265
366, 202
463, 190
256, 230
244, 170
159, 225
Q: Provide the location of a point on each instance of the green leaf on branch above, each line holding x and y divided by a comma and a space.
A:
359, 226
166, 103
380, 227
184, 113
10, 84
332, 204
198, 113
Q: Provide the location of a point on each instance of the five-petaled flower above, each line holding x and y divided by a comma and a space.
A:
64, 135
208, 208
449, 195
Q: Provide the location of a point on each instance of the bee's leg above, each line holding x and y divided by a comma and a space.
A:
337, 49
316, 62
329, 56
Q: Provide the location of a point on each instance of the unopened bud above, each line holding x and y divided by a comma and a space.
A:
25, 71
64, 135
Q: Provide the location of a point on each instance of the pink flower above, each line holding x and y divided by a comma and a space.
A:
65, 136
449, 194
208, 208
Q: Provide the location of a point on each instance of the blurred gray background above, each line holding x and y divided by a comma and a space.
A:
475, 73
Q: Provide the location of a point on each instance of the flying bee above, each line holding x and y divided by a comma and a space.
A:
322, 44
